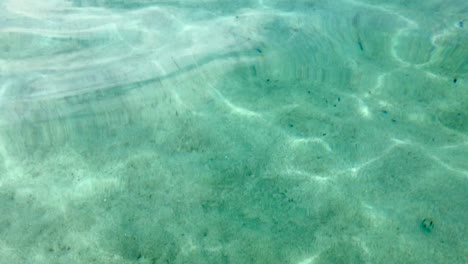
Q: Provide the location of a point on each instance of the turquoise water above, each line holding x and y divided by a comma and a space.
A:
266, 131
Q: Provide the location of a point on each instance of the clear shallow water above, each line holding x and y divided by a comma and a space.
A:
244, 132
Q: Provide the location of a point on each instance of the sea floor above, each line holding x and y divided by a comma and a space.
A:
302, 132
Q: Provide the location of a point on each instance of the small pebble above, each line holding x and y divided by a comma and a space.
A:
427, 225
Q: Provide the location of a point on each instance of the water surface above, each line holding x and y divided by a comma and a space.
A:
233, 131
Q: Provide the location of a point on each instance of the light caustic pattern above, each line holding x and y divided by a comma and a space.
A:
299, 132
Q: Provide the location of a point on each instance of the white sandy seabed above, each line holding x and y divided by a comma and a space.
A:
296, 132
